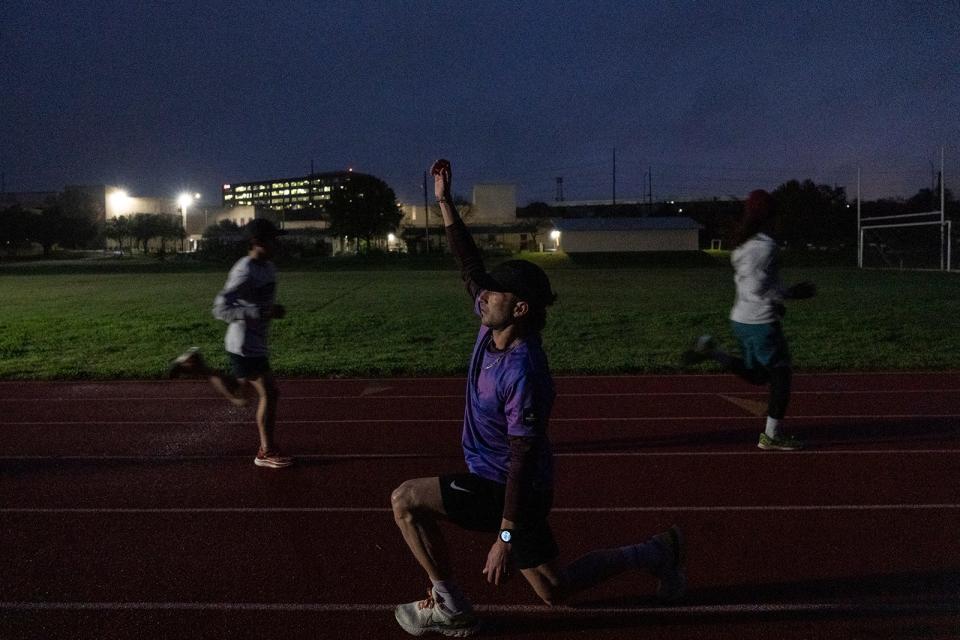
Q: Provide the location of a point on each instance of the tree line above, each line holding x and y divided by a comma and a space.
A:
366, 209
814, 214
140, 229
67, 221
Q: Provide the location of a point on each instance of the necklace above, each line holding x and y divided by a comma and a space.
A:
502, 355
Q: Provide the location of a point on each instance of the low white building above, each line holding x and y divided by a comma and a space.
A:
623, 235
491, 217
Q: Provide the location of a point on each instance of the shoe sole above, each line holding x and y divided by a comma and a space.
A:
453, 632
271, 465
778, 447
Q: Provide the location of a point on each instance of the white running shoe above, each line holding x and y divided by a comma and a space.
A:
190, 361
432, 615
272, 459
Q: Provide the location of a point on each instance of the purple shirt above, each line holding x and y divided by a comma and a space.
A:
509, 393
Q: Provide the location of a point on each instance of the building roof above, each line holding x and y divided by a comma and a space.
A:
670, 223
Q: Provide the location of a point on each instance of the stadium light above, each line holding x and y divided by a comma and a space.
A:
119, 202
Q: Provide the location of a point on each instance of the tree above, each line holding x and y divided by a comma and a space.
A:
118, 229
223, 241
814, 214
81, 212
170, 228
928, 200
144, 227
14, 228
225, 229
67, 220
363, 206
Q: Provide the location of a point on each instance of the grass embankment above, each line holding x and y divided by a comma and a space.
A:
389, 322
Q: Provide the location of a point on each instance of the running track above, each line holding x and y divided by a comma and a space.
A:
133, 509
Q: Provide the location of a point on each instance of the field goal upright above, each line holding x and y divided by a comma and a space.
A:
907, 241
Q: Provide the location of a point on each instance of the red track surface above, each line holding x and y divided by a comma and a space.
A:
133, 509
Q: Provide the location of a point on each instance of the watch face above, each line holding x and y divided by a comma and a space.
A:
506, 535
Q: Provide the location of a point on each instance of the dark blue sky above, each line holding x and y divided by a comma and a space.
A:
718, 97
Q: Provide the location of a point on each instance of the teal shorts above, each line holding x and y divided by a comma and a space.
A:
762, 345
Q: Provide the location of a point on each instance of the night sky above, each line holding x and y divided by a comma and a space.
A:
717, 97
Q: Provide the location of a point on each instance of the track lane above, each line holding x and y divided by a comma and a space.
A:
454, 385
582, 481
222, 557
874, 559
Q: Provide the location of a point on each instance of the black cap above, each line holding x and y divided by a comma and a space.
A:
261, 229
524, 279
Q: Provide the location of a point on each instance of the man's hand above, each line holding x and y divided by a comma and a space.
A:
499, 560
276, 312
442, 179
802, 290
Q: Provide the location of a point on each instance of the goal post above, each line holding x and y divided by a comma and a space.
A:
917, 244
906, 241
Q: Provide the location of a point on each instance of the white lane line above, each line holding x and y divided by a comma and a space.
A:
562, 510
460, 396
569, 454
459, 420
947, 605
824, 375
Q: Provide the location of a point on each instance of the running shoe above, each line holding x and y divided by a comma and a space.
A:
432, 615
699, 352
272, 459
672, 585
781, 443
190, 361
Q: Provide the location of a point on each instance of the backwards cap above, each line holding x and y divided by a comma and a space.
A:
261, 229
524, 279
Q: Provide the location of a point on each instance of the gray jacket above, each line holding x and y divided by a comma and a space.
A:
246, 298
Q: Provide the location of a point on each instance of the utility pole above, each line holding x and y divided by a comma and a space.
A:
614, 176
650, 191
559, 196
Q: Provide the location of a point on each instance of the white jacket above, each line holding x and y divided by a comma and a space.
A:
756, 265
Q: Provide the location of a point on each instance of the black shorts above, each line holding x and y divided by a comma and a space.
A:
476, 504
247, 367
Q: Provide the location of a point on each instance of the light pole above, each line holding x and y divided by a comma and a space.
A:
555, 236
119, 203
185, 200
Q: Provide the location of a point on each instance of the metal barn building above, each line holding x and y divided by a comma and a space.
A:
616, 235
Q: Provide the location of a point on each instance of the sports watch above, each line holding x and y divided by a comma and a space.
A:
506, 535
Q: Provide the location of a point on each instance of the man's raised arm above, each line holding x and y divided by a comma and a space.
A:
458, 236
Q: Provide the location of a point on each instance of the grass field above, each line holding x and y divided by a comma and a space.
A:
389, 322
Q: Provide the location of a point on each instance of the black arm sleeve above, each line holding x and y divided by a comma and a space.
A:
522, 464
468, 256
